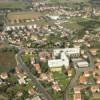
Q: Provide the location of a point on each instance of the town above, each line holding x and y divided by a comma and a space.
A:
50, 50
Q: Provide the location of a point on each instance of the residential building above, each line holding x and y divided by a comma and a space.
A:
98, 80
82, 80
4, 75
77, 96
95, 88
97, 65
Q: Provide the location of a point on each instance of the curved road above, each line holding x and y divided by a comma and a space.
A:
40, 88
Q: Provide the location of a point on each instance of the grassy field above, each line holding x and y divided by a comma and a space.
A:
73, 23
24, 15
96, 96
69, 1
61, 78
7, 61
13, 4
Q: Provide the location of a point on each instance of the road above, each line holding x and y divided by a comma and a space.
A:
79, 71
40, 88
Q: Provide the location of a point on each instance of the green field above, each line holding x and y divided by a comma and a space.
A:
7, 61
20, 17
13, 4
95, 96
69, 1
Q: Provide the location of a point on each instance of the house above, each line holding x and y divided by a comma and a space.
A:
98, 60
43, 76
31, 91
19, 94
37, 67
69, 73
93, 51
97, 65
56, 86
86, 73
76, 90
4, 75
95, 88
98, 80
96, 72
82, 52
77, 96
21, 81
82, 79
18, 70
36, 98
21, 75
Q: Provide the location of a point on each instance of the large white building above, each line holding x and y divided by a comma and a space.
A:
68, 51
64, 57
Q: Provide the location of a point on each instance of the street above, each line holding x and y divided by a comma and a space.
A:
40, 88
79, 71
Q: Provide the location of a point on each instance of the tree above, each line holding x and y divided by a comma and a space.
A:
44, 66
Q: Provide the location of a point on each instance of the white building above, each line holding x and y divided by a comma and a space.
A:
56, 63
64, 60
83, 64
68, 51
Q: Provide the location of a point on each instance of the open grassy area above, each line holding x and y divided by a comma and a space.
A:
13, 4
69, 1
97, 44
73, 23
61, 78
24, 15
96, 96
7, 61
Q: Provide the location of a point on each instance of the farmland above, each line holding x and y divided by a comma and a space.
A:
7, 60
13, 4
20, 17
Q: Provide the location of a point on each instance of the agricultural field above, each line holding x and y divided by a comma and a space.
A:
70, 2
7, 61
1, 21
20, 17
14, 4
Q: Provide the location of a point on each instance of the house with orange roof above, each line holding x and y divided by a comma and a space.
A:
93, 51
77, 90
95, 88
77, 96
37, 67
82, 80
96, 72
98, 80
97, 65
